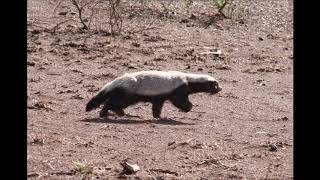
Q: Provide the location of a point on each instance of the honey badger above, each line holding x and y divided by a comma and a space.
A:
152, 86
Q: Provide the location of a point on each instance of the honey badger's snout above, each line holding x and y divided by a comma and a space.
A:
216, 87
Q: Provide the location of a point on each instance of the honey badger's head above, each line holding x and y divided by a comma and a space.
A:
203, 83
213, 87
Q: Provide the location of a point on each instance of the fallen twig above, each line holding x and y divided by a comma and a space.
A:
164, 171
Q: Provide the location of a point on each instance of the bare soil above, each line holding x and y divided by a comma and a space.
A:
243, 132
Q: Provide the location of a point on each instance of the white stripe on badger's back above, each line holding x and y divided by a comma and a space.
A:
199, 78
156, 82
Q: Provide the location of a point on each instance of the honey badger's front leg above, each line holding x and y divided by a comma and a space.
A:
180, 99
106, 107
104, 111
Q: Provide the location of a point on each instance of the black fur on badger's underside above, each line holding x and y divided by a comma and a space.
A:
122, 98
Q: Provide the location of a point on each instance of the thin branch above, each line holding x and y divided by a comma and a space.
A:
90, 18
74, 2
115, 18
92, 12
222, 7
86, 4
59, 3
141, 30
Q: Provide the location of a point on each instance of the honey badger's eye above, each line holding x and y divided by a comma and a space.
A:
215, 84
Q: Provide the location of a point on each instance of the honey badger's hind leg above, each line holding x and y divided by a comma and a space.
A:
118, 102
156, 108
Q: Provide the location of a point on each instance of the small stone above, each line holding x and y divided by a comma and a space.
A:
257, 155
30, 63
192, 16
273, 147
184, 21
270, 36
135, 44
158, 59
262, 84
63, 13
131, 66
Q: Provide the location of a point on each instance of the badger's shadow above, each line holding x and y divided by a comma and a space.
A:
163, 121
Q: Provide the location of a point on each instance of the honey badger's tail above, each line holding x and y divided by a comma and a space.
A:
97, 100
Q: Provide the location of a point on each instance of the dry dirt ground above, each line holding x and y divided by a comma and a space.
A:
243, 132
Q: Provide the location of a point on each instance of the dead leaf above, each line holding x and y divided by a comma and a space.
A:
31, 175
129, 167
222, 67
40, 105
78, 96
77, 71
210, 161
175, 145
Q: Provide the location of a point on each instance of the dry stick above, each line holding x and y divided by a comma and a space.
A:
92, 11
86, 4
143, 29
111, 23
150, 174
231, 10
115, 19
111, 16
74, 2
119, 25
59, 3
90, 18
118, 17
57, 25
220, 9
